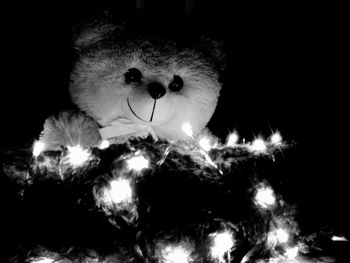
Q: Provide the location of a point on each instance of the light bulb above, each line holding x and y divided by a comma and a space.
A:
265, 197
120, 191
276, 138
175, 254
104, 145
187, 129
205, 144
77, 156
258, 145
137, 163
38, 148
222, 244
232, 139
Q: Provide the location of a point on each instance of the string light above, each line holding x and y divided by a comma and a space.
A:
137, 163
277, 236
104, 145
209, 160
276, 138
291, 252
265, 197
38, 148
258, 145
282, 235
232, 139
187, 129
77, 156
205, 144
120, 191
339, 238
166, 152
176, 254
248, 255
222, 244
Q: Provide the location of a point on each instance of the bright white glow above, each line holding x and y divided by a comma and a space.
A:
43, 260
339, 238
120, 191
291, 252
277, 236
187, 129
205, 144
222, 244
104, 145
276, 138
137, 163
38, 148
282, 235
258, 145
232, 139
265, 197
77, 156
176, 254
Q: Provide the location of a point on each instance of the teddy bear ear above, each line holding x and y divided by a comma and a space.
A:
96, 27
91, 35
214, 49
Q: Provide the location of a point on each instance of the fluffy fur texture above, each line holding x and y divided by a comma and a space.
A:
180, 201
105, 54
124, 109
71, 129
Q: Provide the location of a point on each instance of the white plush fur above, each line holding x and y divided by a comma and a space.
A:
70, 129
99, 87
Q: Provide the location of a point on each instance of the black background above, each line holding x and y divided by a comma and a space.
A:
286, 71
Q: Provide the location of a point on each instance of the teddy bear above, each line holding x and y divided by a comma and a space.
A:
129, 84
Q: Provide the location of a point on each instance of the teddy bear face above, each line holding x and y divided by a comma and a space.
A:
146, 84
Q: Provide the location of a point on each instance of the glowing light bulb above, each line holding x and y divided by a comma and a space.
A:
222, 244
120, 191
38, 148
276, 138
232, 139
339, 238
187, 129
291, 252
282, 235
205, 144
258, 145
176, 254
265, 197
137, 163
104, 145
77, 156
277, 236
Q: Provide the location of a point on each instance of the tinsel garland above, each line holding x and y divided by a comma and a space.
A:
155, 201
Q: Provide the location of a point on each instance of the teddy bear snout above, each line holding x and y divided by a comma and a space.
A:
156, 90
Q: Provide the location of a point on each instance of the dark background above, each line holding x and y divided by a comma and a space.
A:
286, 72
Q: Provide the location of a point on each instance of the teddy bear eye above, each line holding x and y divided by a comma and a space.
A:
133, 75
176, 84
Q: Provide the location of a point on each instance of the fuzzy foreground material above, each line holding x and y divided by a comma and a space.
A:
182, 198
70, 128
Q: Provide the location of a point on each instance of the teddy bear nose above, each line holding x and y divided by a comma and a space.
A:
156, 90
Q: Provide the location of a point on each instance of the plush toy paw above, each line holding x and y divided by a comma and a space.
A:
70, 129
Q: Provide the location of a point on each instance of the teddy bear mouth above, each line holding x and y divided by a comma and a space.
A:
133, 110
150, 112
138, 117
